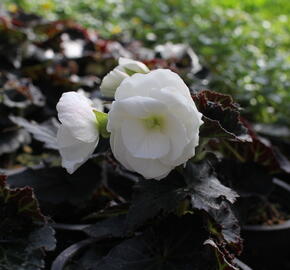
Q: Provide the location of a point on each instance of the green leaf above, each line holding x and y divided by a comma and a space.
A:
102, 120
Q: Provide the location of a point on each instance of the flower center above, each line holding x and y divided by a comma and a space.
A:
154, 122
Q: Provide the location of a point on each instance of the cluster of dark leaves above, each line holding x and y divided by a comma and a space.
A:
235, 137
250, 158
257, 167
182, 221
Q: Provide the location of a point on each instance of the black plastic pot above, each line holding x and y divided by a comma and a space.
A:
268, 246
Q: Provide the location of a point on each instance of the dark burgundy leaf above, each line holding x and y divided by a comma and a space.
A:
54, 185
225, 229
111, 227
22, 199
221, 116
259, 151
23, 233
175, 243
199, 186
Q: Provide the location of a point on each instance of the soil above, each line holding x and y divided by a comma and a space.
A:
266, 213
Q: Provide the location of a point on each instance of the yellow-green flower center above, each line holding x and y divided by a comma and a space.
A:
154, 122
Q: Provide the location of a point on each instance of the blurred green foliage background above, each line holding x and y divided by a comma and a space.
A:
245, 43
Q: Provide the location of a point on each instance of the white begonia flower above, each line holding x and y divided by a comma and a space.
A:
154, 123
78, 133
125, 69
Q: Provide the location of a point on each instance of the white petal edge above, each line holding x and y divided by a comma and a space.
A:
148, 168
74, 152
156, 79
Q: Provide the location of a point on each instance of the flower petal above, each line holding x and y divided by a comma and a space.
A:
155, 80
188, 152
75, 111
111, 81
133, 107
142, 143
183, 108
134, 86
74, 152
149, 168
142, 107
178, 140
126, 63
119, 150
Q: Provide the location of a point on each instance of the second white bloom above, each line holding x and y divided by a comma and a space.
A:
125, 69
154, 123
78, 134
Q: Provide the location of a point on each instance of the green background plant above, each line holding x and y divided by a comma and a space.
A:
245, 44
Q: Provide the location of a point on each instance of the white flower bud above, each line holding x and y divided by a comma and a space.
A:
113, 79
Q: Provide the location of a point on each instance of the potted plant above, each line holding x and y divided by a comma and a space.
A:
263, 205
